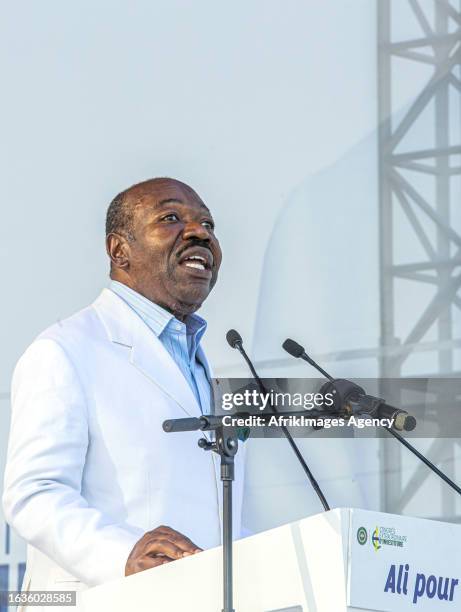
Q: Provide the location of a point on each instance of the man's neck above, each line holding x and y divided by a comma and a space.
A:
178, 313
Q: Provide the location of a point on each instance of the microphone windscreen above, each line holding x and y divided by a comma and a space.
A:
293, 348
233, 338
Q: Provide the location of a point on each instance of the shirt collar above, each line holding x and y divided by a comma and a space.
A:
159, 320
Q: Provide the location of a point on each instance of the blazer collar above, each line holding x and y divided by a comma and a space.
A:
123, 326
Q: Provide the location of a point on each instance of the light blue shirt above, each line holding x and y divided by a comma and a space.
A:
181, 340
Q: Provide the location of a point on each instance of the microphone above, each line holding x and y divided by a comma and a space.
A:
292, 347
235, 341
349, 395
402, 420
295, 349
347, 392
234, 338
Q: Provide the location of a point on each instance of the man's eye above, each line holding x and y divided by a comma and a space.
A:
208, 224
170, 217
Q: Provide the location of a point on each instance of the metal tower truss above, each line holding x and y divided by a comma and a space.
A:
420, 214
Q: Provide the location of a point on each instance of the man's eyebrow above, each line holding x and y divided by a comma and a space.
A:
178, 201
169, 201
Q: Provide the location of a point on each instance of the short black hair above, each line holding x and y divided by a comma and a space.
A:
120, 216
121, 211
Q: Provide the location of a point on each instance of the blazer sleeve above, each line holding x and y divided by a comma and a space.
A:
42, 497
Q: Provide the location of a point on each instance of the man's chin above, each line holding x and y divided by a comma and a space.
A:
190, 291
190, 298
195, 297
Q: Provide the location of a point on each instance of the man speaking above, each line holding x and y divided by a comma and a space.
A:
92, 482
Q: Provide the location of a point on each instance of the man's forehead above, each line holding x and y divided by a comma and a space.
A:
158, 193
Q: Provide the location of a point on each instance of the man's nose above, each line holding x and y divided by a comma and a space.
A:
194, 229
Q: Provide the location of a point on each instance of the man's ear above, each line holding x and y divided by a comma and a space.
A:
119, 251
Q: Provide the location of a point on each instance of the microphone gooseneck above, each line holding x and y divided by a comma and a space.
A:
235, 341
348, 392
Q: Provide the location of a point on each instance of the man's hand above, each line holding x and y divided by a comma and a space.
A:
159, 546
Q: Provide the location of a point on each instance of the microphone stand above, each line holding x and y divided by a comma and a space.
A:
226, 446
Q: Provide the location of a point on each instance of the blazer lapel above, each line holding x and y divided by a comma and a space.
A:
214, 382
150, 357
200, 355
147, 354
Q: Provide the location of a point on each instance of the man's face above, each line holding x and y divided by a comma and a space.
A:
175, 257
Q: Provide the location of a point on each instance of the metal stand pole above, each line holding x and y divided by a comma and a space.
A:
226, 446
227, 477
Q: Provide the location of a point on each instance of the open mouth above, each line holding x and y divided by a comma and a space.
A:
195, 261
197, 258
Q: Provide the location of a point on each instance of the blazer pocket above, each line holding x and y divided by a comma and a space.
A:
61, 575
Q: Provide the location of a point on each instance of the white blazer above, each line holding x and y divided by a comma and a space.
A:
89, 468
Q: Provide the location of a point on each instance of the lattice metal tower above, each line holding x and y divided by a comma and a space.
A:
420, 206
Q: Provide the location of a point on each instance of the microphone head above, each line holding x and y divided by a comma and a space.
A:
234, 338
293, 348
404, 422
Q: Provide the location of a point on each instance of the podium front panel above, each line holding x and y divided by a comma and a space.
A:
400, 563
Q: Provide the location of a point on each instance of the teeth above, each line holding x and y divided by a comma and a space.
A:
195, 261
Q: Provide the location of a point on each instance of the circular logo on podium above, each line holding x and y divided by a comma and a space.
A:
362, 535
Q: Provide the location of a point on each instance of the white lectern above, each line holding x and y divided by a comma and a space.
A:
345, 559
